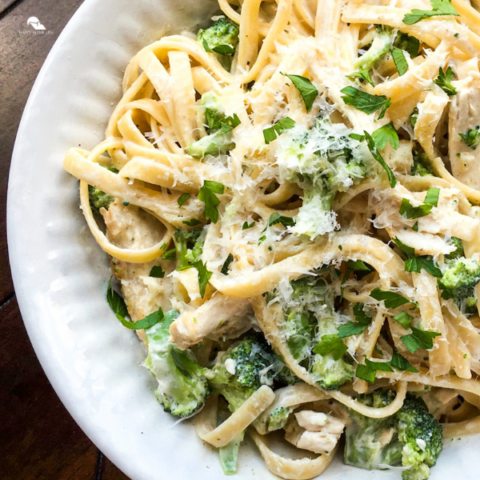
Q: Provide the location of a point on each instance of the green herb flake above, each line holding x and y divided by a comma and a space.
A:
270, 134
365, 101
306, 89
404, 319
443, 81
432, 197
203, 276
247, 225
226, 266
386, 134
330, 344
362, 74
401, 363
400, 61
472, 137
156, 272
208, 195
183, 198
192, 223
439, 8
419, 339
276, 218
392, 300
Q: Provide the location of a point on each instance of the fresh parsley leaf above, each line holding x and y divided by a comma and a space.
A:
365, 373
415, 226
270, 134
405, 42
427, 263
116, 301
439, 7
405, 248
443, 81
247, 225
262, 239
360, 268
404, 319
117, 304
192, 223
224, 49
360, 316
204, 276
386, 134
330, 344
208, 195
365, 101
226, 265
432, 196
409, 212
157, 272
382, 366
351, 328
472, 137
229, 123
391, 299
362, 74
419, 339
414, 117
306, 88
276, 218
401, 363
178, 356
373, 150
400, 61
170, 254
206, 47
183, 198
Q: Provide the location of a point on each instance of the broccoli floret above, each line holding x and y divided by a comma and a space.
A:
458, 282
331, 374
278, 418
218, 143
182, 386
421, 437
254, 364
457, 253
309, 315
323, 161
382, 42
189, 246
99, 199
421, 165
222, 39
411, 437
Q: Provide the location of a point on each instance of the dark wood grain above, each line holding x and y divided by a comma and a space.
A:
38, 438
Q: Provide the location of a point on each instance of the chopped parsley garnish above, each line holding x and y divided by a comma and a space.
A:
276, 218
439, 8
208, 195
306, 89
119, 308
404, 319
443, 81
355, 328
226, 265
203, 276
157, 272
330, 344
192, 223
400, 61
410, 44
270, 134
401, 363
365, 101
386, 134
391, 299
169, 254
411, 213
472, 137
183, 198
419, 339
415, 264
247, 225
362, 74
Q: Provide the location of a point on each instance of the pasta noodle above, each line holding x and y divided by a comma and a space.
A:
290, 204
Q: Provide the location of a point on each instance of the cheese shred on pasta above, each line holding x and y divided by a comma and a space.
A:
290, 201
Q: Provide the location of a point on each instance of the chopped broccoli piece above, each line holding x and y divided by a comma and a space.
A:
421, 165
458, 252
411, 437
382, 42
278, 418
217, 143
458, 282
182, 386
309, 315
223, 33
99, 199
254, 363
323, 161
189, 246
229, 455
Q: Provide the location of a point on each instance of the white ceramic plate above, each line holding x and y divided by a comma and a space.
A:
60, 274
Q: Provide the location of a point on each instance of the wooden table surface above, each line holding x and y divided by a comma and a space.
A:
38, 438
